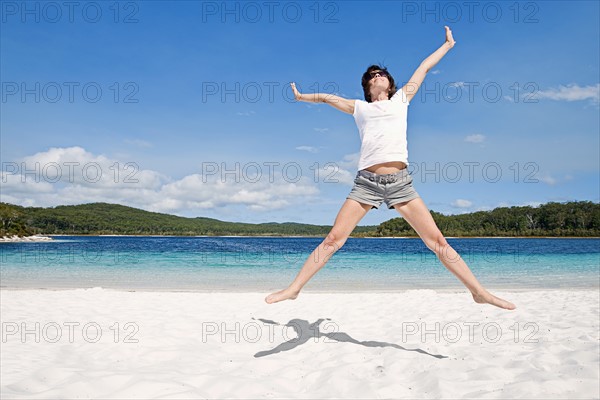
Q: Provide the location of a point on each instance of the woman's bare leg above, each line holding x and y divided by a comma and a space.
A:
348, 217
415, 212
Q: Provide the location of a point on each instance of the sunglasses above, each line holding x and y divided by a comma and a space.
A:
380, 73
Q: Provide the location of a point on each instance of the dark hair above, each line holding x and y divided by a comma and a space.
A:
366, 79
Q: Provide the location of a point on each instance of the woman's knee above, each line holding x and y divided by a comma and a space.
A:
336, 239
436, 242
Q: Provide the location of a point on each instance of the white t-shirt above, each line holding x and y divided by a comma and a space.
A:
382, 128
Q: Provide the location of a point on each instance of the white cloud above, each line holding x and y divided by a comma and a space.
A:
350, 161
333, 173
22, 184
343, 171
321, 130
435, 72
548, 179
73, 176
572, 92
310, 149
74, 165
508, 205
462, 203
476, 138
246, 113
545, 177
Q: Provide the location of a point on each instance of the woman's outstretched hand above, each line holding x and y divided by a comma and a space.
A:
297, 94
449, 38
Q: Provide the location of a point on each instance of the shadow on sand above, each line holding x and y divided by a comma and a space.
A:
305, 331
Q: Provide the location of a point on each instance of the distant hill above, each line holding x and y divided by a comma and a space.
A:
551, 219
579, 218
104, 218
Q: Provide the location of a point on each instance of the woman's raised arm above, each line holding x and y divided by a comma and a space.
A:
418, 77
338, 102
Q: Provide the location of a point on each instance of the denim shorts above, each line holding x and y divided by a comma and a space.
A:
373, 189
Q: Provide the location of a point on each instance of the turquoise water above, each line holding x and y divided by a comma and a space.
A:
259, 263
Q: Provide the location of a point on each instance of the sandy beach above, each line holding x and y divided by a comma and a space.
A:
19, 239
101, 343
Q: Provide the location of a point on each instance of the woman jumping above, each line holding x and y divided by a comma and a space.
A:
383, 176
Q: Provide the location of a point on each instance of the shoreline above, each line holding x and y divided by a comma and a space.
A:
304, 291
26, 239
319, 236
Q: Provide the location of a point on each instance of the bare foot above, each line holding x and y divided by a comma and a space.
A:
285, 294
489, 298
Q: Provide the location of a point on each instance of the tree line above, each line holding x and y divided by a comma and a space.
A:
579, 218
551, 219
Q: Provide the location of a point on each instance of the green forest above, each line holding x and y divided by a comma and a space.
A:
571, 219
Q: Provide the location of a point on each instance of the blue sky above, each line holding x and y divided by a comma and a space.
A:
184, 107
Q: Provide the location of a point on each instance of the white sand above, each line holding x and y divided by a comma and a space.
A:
33, 238
547, 348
